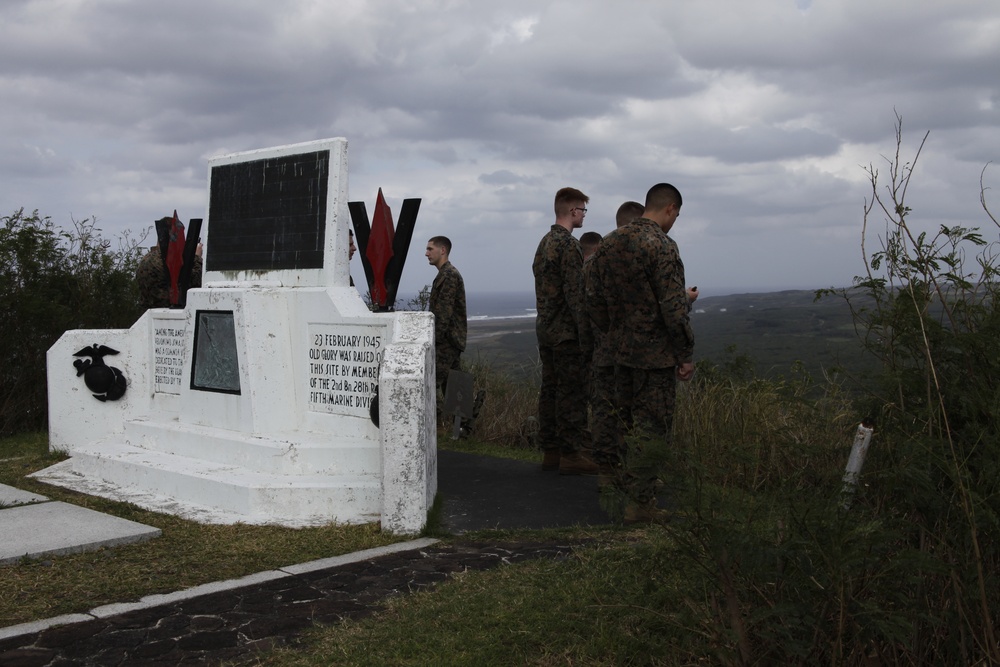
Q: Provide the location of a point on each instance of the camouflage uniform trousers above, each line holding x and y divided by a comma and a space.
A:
646, 400
446, 359
609, 441
562, 401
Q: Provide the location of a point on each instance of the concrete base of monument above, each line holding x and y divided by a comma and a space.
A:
244, 498
215, 476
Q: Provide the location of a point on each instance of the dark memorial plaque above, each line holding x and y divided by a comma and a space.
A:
268, 214
459, 394
216, 363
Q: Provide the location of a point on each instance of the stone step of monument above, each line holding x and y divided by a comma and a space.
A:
299, 453
215, 492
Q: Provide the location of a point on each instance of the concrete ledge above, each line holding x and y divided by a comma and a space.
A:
214, 493
186, 594
367, 554
57, 529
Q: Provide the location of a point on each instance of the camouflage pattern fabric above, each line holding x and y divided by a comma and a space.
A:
609, 444
564, 342
636, 299
636, 296
603, 355
608, 440
154, 281
447, 303
559, 291
562, 404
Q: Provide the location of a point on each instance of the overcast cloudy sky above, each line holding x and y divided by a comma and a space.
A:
762, 112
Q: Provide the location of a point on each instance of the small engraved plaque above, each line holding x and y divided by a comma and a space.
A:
216, 364
169, 344
343, 363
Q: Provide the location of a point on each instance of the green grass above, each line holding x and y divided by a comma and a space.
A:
187, 554
592, 609
649, 596
25, 445
472, 446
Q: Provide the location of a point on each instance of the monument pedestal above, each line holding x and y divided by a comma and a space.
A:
312, 455
253, 404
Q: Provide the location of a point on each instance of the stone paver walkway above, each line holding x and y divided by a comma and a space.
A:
238, 625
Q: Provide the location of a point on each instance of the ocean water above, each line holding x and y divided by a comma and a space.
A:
500, 305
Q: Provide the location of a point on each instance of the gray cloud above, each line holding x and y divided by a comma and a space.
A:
764, 114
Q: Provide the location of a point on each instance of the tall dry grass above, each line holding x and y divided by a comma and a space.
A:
507, 417
753, 434
750, 431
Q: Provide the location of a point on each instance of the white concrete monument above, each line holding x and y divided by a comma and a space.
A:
253, 403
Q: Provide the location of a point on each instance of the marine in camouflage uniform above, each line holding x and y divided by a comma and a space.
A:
447, 302
606, 427
636, 297
564, 340
153, 279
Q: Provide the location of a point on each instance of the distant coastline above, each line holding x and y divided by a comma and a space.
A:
484, 306
481, 318
774, 329
500, 305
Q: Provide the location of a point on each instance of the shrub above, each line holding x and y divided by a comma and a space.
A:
52, 281
909, 573
935, 326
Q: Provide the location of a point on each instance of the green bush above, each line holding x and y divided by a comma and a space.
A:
908, 573
935, 327
52, 281
744, 432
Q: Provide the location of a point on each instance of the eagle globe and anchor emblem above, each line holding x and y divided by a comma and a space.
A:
106, 382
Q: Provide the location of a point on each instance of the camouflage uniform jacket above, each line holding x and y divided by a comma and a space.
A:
635, 293
447, 302
603, 354
558, 269
154, 280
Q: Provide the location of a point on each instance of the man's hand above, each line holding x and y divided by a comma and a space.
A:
692, 293
685, 371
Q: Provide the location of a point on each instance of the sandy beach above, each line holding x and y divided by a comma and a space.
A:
503, 342
480, 330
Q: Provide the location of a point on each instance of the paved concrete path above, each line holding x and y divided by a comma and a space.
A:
31, 525
483, 492
236, 620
